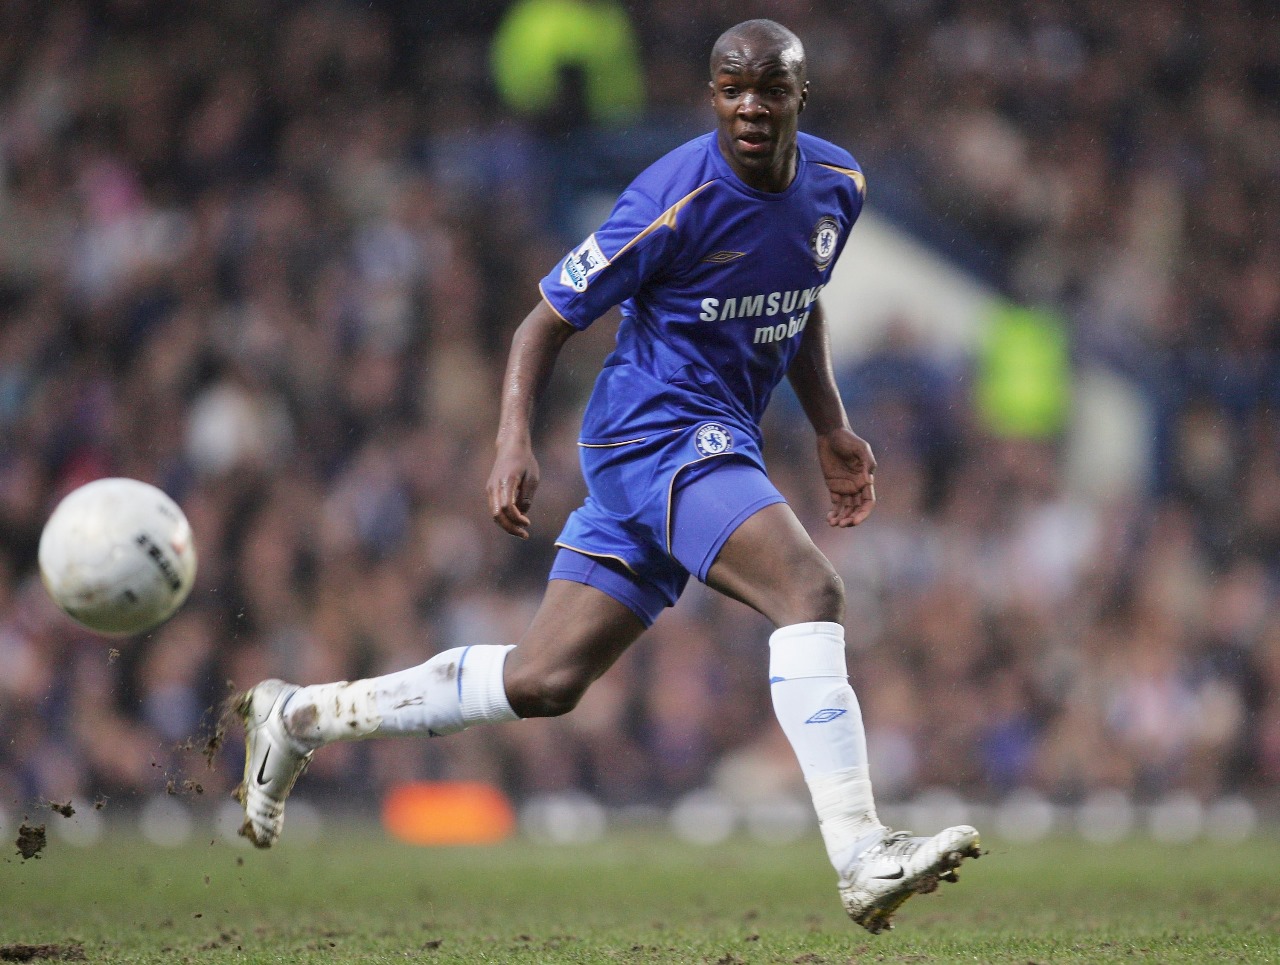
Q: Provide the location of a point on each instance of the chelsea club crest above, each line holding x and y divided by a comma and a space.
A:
823, 241
712, 439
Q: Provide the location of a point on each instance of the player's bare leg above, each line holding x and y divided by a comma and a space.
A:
772, 565
576, 635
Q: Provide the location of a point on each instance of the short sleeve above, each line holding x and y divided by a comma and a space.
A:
852, 191
613, 263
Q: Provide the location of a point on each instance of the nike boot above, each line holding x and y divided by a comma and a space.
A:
272, 761
899, 866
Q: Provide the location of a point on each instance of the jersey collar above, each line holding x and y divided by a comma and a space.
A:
729, 175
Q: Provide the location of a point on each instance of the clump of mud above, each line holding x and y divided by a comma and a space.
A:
209, 743
71, 952
31, 840
66, 810
228, 715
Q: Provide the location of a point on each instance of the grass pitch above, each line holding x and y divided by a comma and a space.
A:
357, 897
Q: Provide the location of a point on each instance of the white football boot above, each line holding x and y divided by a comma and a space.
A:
272, 761
899, 866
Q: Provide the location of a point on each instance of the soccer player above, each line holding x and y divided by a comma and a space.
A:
717, 254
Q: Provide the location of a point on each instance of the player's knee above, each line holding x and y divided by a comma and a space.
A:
546, 694
827, 595
818, 596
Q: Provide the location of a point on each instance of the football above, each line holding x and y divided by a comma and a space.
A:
117, 556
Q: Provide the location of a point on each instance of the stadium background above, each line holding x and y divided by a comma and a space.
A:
268, 256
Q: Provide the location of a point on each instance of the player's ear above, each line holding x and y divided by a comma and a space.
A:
804, 97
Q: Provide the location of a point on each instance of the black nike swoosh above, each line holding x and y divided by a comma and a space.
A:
900, 873
265, 780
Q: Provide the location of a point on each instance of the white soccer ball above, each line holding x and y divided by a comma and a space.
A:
117, 556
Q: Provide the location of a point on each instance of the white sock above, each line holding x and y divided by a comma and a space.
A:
449, 692
820, 715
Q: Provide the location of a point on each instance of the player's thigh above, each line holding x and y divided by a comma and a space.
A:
770, 563
577, 634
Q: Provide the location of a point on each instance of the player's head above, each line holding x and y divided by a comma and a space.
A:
758, 89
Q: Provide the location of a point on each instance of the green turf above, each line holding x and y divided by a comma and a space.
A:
357, 898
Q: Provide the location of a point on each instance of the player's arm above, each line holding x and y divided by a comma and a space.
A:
845, 458
514, 478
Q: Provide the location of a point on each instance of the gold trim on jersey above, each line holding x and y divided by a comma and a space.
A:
665, 220
624, 442
671, 487
858, 179
611, 445
554, 309
599, 556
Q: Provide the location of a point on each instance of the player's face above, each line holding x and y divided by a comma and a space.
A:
758, 96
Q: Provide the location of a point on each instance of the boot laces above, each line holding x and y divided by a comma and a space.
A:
900, 844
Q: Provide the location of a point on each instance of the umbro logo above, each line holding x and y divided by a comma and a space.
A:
720, 257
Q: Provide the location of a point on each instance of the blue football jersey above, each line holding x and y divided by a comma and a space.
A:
716, 282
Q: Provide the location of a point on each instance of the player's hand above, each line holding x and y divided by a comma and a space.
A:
850, 471
512, 483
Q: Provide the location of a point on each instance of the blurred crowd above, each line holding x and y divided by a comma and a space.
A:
268, 256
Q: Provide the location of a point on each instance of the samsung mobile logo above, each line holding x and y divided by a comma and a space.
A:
776, 333
756, 306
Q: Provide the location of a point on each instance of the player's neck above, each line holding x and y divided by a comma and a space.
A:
773, 179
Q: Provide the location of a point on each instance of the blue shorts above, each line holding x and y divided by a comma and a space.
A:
659, 509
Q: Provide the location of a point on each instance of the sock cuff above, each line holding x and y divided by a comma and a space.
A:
807, 650
481, 692
807, 629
